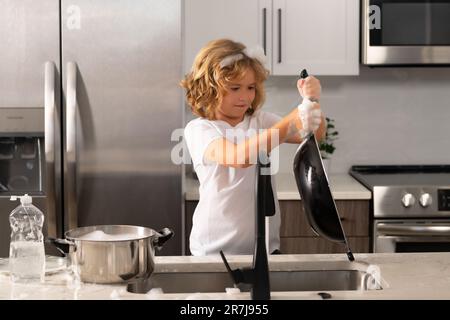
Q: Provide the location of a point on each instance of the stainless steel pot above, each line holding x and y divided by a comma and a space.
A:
113, 253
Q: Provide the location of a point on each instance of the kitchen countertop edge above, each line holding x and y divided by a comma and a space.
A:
343, 187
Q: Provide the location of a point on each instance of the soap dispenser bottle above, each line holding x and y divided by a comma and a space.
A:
26, 251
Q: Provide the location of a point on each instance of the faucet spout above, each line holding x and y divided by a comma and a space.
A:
258, 275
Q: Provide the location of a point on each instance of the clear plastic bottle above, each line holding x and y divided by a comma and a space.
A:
26, 251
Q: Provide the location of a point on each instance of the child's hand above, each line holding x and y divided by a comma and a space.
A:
309, 88
310, 116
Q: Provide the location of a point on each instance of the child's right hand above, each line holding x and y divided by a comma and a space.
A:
309, 88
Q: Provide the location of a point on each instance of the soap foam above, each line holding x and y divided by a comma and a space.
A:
100, 235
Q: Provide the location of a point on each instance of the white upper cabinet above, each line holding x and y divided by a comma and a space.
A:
320, 35
238, 20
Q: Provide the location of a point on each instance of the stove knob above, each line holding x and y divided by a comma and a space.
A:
408, 200
425, 200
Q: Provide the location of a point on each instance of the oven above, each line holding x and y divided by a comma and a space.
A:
411, 235
410, 207
405, 32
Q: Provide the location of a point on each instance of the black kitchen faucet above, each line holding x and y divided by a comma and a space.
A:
258, 275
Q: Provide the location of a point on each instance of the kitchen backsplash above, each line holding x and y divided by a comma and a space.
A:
384, 115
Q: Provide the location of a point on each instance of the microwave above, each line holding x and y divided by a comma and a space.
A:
405, 32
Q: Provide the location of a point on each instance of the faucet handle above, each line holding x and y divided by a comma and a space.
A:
236, 275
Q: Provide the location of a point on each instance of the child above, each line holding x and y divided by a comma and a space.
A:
225, 89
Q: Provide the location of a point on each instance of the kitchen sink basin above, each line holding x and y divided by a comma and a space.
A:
300, 280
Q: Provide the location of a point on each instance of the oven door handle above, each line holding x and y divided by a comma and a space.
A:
389, 229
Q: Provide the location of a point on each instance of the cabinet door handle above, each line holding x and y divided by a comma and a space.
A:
265, 30
279, 35
418, 230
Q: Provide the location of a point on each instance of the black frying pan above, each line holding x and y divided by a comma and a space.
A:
314, 188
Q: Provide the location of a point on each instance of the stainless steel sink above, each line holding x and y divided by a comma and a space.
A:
304, 280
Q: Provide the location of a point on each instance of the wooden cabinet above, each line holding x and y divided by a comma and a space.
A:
297, 236
321, 36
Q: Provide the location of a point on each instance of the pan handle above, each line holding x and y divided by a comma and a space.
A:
62, 245
161, 237
303, 75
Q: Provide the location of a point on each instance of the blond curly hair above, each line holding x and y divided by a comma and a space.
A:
207, 82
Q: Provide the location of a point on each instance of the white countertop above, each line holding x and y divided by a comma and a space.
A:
343, 187
403, 276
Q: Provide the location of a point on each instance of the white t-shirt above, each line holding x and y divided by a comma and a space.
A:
225, 215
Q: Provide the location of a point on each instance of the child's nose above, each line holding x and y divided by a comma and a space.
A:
245, 97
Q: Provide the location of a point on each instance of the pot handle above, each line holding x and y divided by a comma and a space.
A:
161, 237
62, 245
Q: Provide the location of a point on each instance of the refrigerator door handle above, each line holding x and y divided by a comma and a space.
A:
49, 142
71, 148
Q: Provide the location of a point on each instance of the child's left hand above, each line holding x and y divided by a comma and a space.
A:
310, 116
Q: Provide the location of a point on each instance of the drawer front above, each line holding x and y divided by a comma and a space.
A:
305, 245
354, 215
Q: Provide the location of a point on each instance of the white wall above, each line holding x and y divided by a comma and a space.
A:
384, 115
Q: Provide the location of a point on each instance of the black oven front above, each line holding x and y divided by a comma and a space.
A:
396, 235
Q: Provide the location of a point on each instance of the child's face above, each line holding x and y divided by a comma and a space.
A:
238, 98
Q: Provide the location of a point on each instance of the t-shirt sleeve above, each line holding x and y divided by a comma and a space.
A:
268, 119
198, 135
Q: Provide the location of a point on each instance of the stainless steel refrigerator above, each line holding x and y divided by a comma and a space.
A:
92, 87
